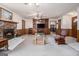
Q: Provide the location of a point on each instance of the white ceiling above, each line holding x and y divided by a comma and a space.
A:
48, 10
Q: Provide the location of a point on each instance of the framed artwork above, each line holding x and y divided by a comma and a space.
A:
6, 14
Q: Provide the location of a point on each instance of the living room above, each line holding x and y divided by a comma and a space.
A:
40, 27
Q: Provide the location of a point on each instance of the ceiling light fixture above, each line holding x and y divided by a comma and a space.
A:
36, 4
38, 13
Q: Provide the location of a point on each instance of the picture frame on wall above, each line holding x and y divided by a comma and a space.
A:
6, 14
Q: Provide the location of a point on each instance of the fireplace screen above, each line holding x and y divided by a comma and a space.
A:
8, 33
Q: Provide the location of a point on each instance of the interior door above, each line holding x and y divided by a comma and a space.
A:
74, 27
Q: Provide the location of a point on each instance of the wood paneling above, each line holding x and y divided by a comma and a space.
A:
69, 32
77, 35
58, 31
20, 32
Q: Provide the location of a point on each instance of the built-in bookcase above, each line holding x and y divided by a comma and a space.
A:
41, 25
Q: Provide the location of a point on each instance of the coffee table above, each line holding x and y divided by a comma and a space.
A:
39, 39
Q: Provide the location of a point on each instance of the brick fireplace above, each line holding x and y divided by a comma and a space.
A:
7, 29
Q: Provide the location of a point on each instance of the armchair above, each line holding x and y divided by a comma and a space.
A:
61, 38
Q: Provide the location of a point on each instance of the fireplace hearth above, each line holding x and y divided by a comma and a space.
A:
8, 33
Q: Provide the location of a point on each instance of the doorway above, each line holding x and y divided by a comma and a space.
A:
53, 25
23, 24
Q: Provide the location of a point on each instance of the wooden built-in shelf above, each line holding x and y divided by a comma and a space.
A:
44, 30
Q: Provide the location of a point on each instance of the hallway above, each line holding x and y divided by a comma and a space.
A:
27, 48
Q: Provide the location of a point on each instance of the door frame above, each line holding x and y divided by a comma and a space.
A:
73, 18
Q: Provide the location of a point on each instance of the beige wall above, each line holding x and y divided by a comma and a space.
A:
66, 22
18, 19
29, 23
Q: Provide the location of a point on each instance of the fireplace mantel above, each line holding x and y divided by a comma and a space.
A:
8, 21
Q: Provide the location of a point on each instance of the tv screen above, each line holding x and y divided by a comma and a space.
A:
40, 25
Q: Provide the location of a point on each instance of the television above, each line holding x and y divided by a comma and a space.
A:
40, 25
